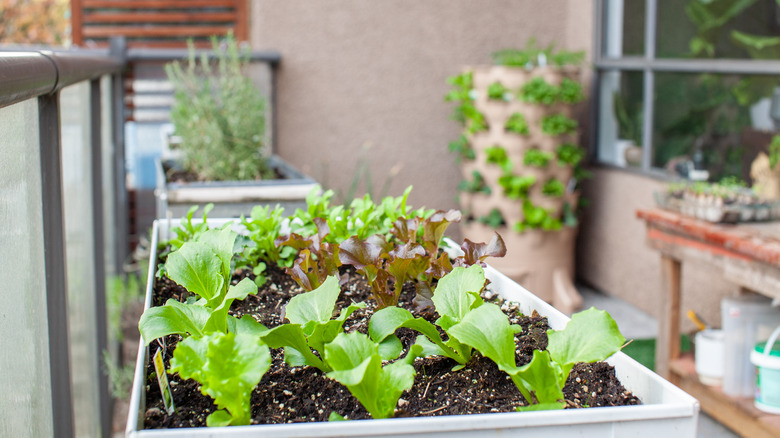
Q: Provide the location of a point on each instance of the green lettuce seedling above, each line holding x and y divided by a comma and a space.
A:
590, 336
228, 367
357, 364
311, 325
456, 294
202, 266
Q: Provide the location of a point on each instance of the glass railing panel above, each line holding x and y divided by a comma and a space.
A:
25, 378
80, 244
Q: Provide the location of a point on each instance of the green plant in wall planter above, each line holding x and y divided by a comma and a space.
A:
520, 138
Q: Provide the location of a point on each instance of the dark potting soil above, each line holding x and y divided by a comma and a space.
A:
303, 394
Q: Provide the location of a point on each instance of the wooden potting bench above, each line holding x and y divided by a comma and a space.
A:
749, 255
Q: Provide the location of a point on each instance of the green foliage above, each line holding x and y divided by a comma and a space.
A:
569, 154
553, 187
357, 364
456, 294
497, 91
629, 121
311, 325
517, 124
533, 55
558, 124
589, 337
475, 185
774, 151
203, 267
515, 186
494, 219
264, 226
537, 158
220, 115
463, 151
228, 367
537, 217
187, 230
537, 90
497, 155
571, 91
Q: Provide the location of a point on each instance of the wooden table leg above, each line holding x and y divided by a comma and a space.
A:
667, 346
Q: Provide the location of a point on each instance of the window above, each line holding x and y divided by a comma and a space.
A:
687, 86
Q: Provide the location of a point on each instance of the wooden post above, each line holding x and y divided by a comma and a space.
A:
667, 347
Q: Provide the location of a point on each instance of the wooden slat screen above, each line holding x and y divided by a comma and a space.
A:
157, 23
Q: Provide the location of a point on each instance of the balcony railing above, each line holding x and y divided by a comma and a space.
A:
64, 229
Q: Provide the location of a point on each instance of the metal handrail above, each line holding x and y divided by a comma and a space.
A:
27, 74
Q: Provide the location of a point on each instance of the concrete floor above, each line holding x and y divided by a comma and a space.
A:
636, 324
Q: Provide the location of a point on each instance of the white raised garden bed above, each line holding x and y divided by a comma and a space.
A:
666, 411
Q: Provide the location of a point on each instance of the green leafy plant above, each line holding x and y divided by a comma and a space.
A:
536, 217
357, 364
497, 91
590, 336
569, 154
537, 158
311, 325
187, 230
537, 90
456, 294
571, 91
494, 219
553, 187
557, 124
533, 55
203, 267
475, 185
462, 149
228, 366
517, 124
220, 115
774, 151
516, 186
497, 155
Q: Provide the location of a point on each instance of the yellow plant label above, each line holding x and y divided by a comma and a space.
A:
162, 380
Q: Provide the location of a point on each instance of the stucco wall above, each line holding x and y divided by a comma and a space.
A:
613, 257
359, 74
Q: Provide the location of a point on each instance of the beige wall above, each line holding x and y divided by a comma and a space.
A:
357, 72
612, 255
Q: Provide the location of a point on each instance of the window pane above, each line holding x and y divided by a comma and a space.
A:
620, 118
718, 29
706, 119
624, 28
24, 356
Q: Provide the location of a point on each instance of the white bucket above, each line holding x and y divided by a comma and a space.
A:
709, 351
766, 358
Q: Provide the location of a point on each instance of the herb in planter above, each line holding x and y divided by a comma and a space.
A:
497, 91
475, 185
220, 115
554, 188
517, 124
515, 186
494, 219
462, 149
557, 124
569, 154
537, 90
536, 158
533, 55
571, 91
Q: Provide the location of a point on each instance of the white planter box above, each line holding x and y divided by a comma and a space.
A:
666, 411
233, 198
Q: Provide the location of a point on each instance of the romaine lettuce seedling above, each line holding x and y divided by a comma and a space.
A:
203, 267
590, 336
228, 367
311, 325
357, 364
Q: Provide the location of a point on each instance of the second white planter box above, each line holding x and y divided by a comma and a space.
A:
666, 411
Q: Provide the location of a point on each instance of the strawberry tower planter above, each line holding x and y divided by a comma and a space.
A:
519, 158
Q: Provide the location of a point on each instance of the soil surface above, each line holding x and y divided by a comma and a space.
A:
303, 394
